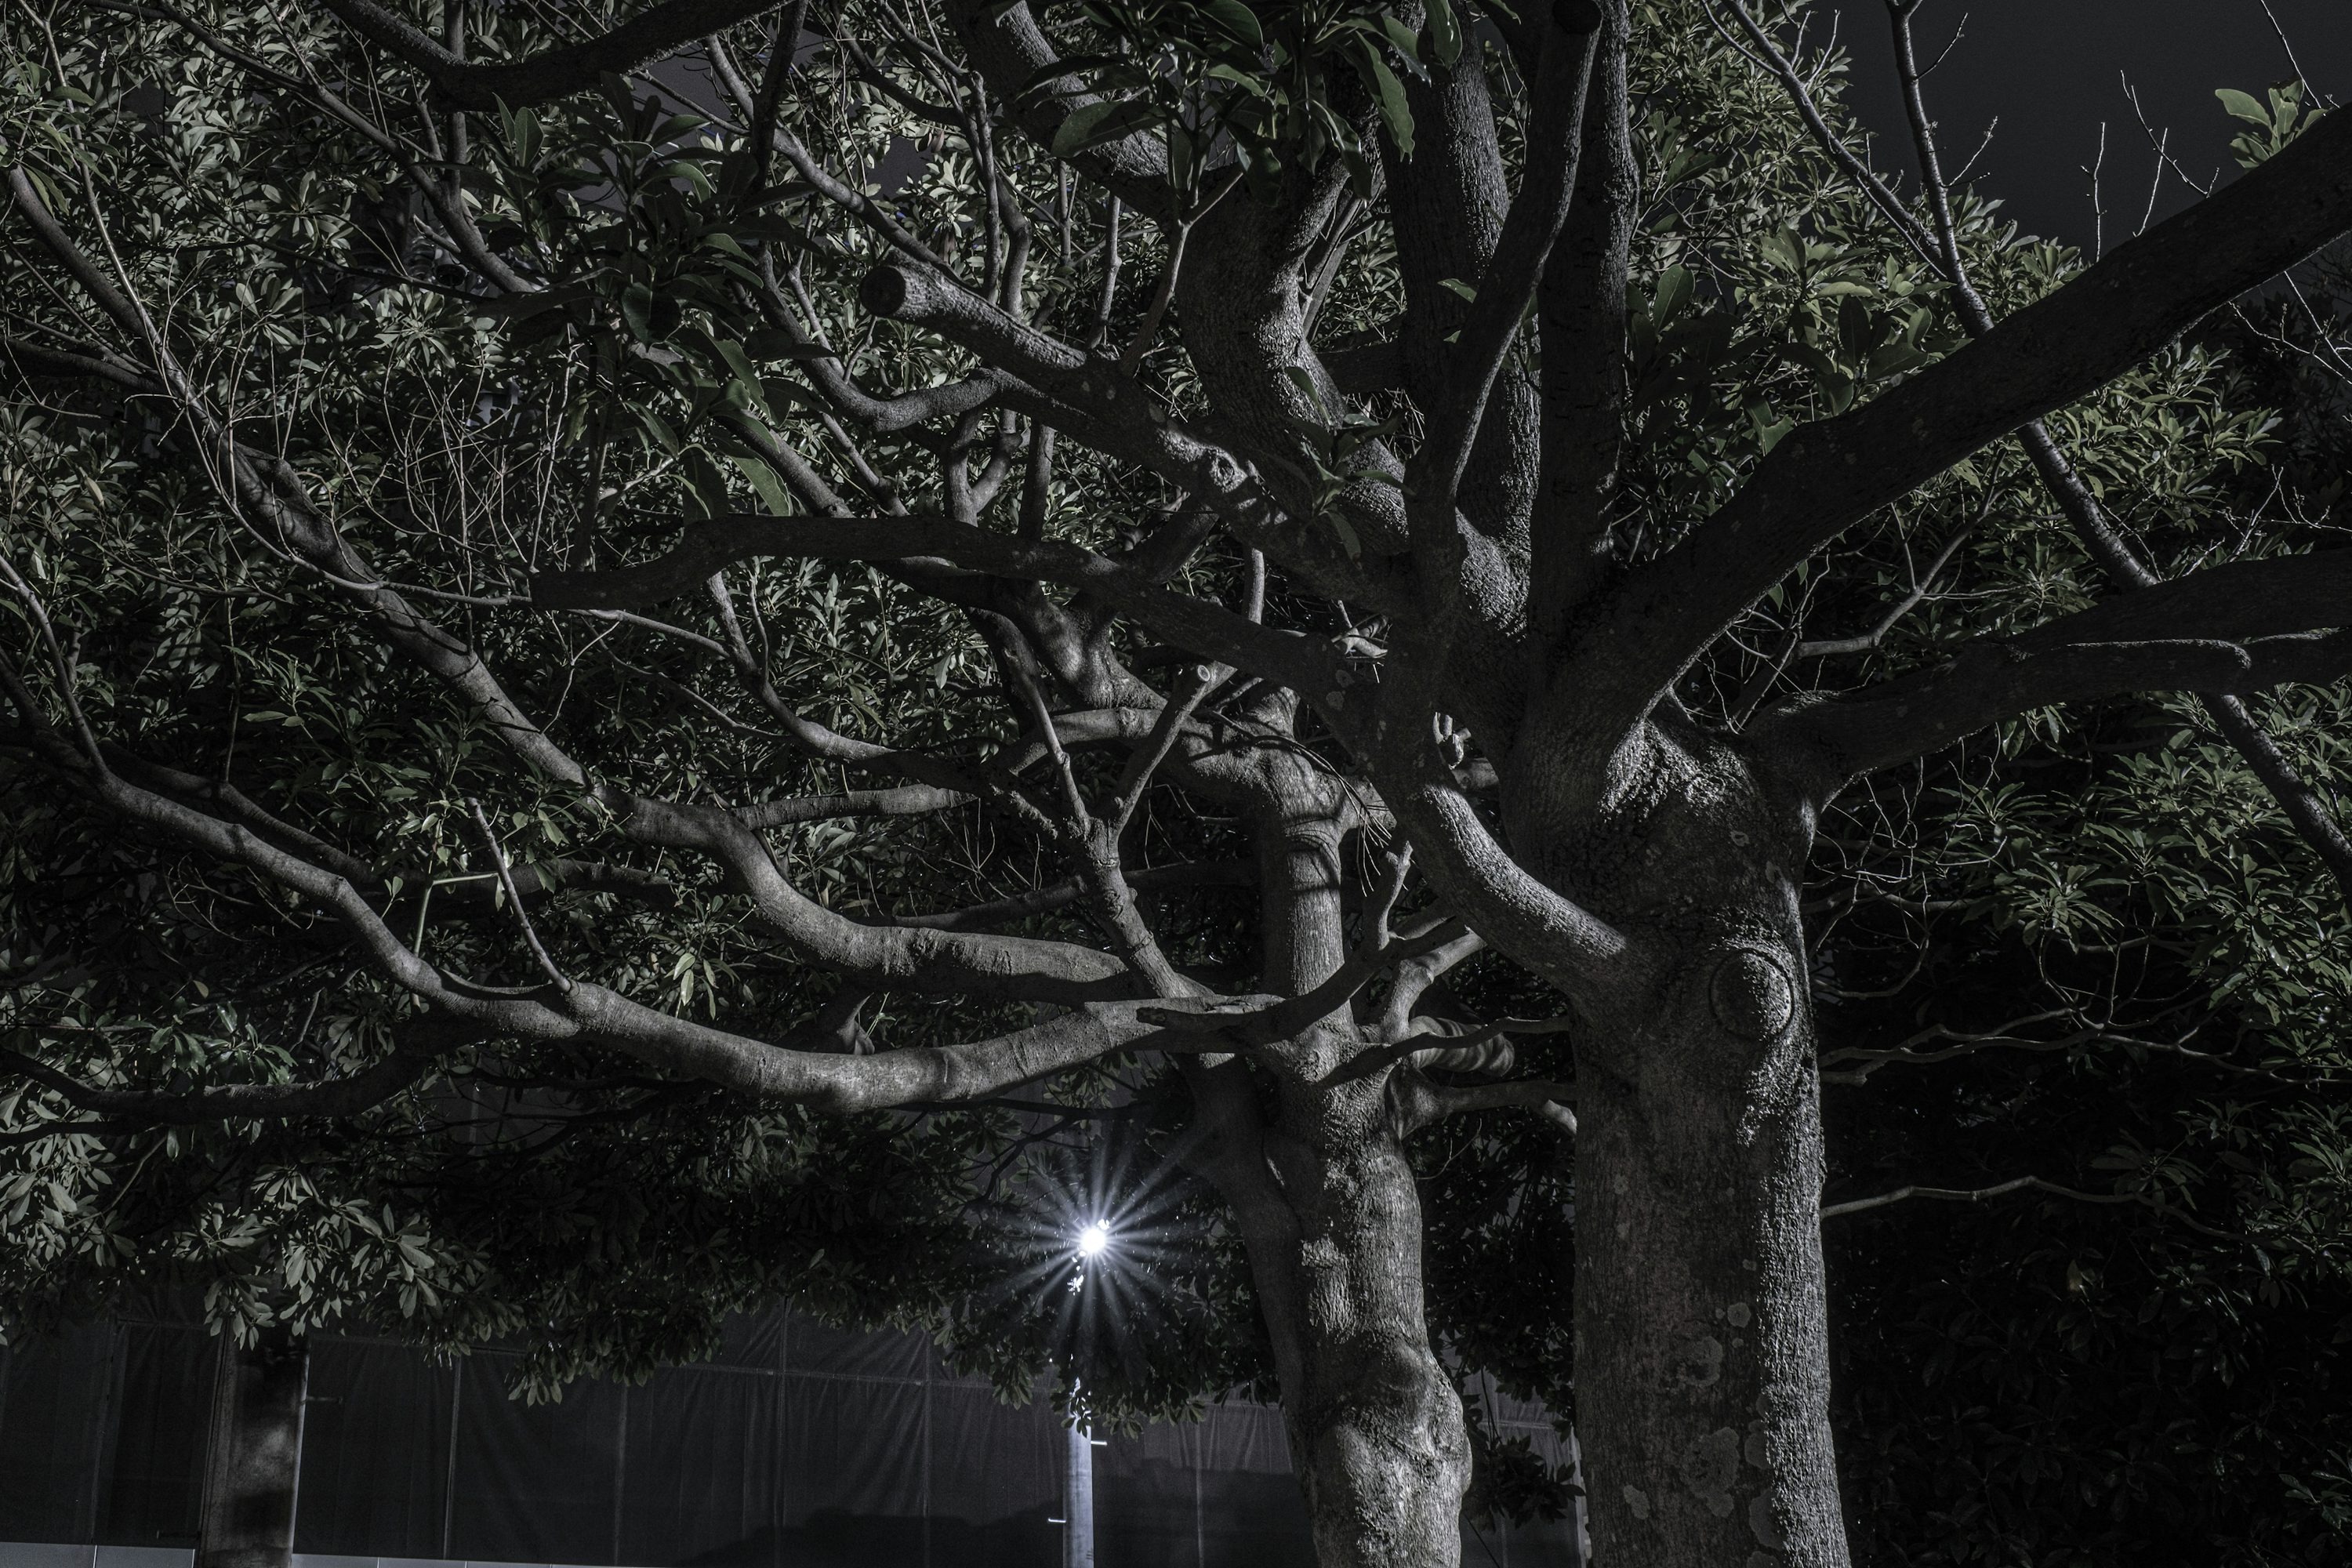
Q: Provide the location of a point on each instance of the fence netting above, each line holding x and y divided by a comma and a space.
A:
796, 1447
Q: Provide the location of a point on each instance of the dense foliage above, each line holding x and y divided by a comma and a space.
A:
523, 340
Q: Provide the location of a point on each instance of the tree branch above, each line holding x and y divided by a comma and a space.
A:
2310, 817
484, 86
1421, 1102
1828, 475
912, 800
2020, 1183
1991, 680
1208, 630
1085, 394
1580, 322
333, 1098
1475, 875
1017, 61
1555, 140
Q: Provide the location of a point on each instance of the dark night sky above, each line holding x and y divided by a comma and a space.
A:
2051, 71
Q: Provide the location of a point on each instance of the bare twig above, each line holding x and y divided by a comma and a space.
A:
506, 880
2020, 1183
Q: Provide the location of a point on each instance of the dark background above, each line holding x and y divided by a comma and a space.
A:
2050, 71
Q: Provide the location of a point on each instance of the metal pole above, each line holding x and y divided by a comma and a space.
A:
449, 1478
252, 1472
1580, 1527
1079, 1507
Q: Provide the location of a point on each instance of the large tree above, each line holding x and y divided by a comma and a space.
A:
1398, 452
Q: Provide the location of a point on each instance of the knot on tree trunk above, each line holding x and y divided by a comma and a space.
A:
1751, 994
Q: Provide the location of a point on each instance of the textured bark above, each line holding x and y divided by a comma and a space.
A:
1702, 1367
1375, 1424
256, 1453
1312, 1158
1701, 1319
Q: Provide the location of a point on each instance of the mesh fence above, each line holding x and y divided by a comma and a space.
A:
796, 1447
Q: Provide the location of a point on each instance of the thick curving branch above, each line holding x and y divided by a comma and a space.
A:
1202, 628
1555, 142
1581, 323
807, 1073
910, 800
2311, 815
1421, 1103
1087, 394
1015, 57
1475, 875
2002, 678
484, 86
808, 1068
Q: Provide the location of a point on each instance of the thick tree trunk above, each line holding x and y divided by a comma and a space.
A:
1702, 1342
1311, 1157
1375, 1424
1702, 1367
256, 1453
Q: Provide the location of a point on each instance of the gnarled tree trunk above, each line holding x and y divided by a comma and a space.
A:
1310, 1152
1375, 1424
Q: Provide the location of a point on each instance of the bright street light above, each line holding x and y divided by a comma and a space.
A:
1093, 1240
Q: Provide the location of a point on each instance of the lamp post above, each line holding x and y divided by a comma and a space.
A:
1079, 1507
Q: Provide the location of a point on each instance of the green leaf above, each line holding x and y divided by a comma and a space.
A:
774, 344
687, 169
1396, 115
1307, 389
1248, 84
1237, 19
2244, 106
1445, 33
521, 129
657, 427
649, 317
705, 484
1348, 539
773, 494
737, 361
1673, 293
1407, 41
1179, 156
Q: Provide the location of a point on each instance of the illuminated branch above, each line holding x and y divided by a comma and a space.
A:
1289, 1017
1421, 1102
1555, 141
2310, 816
1086, 394
2020, 1183
2236, 628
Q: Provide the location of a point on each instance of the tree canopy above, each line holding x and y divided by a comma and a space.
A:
769, 626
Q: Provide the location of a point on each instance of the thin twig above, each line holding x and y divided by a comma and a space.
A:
506, 880
2020, 1183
